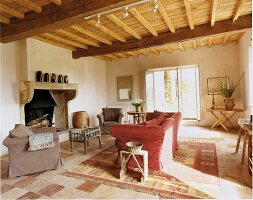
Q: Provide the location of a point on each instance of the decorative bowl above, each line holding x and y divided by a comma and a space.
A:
134, 147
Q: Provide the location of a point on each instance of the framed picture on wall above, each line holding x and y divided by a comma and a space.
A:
214, 84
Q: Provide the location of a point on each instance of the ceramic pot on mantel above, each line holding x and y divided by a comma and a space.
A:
229, 104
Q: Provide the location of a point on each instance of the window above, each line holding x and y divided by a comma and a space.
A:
174, 89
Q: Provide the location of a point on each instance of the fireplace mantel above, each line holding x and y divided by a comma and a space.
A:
26, 89
62, 92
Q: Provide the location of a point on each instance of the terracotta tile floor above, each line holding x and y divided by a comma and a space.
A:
235, 181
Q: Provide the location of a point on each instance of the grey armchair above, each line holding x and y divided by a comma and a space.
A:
110, 117
22, 162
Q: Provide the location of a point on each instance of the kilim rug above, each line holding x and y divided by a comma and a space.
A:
195, 160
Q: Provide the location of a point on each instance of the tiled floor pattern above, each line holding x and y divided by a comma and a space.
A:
235, 181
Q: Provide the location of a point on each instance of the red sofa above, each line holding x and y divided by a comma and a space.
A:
156, 139
177, 116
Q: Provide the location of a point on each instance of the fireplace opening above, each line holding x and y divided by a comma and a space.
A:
42, 104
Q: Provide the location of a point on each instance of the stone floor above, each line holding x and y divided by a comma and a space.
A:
235, 181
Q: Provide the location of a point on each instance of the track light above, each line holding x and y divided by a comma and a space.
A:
156, 6
125, 13
98, 20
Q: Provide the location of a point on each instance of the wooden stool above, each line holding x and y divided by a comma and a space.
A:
83, 135
125, 157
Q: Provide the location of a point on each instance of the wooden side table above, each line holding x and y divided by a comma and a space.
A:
83, 135
125, 157
245, 131
138, 117
223, 117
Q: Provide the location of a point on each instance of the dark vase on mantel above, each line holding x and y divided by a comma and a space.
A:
46, 77
39, 76
60, 79
53, 78
66, 80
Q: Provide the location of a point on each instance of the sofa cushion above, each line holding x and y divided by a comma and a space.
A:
109, 123
166, 114
157, 121
112, 114
20, 131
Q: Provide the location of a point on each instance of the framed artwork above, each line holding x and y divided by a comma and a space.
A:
125, 88
214, 85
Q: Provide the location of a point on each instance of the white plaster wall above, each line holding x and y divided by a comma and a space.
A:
9, 96
246, 88
212, 62
21, 60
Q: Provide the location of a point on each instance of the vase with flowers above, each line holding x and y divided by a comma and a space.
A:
137, 103
227, 91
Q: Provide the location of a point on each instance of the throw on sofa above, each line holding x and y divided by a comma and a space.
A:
22, 161
156, 135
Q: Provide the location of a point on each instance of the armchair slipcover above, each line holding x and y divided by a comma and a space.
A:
22, 162
108, 118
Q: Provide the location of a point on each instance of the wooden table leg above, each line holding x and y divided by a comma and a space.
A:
244, 146
216, 118
228, 118
238, 140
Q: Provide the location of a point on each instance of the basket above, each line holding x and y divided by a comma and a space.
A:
134, 147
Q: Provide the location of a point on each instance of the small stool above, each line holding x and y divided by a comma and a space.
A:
83, 135
125, 157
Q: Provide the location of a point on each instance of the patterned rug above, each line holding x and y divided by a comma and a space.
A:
195, 159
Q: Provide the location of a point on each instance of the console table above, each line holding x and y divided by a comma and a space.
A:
223, 116
138, 117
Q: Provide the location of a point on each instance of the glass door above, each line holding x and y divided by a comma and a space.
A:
174, 89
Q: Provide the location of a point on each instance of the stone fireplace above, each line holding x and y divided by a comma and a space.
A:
39, 98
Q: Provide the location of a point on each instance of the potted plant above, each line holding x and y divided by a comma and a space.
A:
227, 91
137, 103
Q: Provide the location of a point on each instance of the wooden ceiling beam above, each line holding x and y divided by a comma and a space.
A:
225, 39
194, 42
29, 4
214, 12
238, 9
244, 22
4, 19
107, 31
122, 25
54, 43
166, 17
78, 38
91, 34
53, 17
6, 9
64, 41
121, 55
210, 40
189, 13
56, 2
112, 56
143, 21
181, 46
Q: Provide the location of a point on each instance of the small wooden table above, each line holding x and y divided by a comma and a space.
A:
224, 117
138, 117
83, 135
125, 157
245, 132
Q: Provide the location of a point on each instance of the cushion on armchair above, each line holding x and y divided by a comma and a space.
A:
112, 114
20, 131
166, 114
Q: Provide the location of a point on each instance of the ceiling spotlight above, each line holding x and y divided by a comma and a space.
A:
125, 13
98, 20
155, 6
